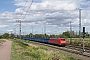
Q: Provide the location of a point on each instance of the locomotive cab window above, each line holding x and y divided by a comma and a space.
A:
63, 39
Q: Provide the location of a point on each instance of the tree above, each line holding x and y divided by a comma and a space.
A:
0, 36
6, 35
52, 36
38, 36
66, 34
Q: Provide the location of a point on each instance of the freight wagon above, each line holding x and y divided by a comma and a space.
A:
58, 41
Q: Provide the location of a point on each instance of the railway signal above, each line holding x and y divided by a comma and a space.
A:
83, 38
84, 32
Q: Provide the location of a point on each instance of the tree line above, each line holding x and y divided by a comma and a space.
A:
66, 34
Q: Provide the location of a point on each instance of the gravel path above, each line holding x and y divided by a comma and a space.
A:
5, 50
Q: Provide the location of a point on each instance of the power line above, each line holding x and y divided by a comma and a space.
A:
19, 21
27, 12
28, 9
22, 11
24, 16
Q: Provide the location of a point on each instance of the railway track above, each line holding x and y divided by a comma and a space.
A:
63, 50
68, 48
79, 48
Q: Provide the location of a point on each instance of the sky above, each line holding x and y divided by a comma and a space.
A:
43, 16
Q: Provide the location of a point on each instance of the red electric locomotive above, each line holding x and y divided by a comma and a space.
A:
59, 41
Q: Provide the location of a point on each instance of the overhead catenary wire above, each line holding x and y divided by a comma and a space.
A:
23, 7
27, 12
19, 21
24, 16
28, 8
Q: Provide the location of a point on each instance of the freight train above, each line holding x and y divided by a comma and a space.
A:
57, 41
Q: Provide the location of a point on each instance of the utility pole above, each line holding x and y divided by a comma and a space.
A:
70, 33
32, 31
80, 23
45, 29
19, 21
11, 34
42, 32
20, 29
14, 32
80, 29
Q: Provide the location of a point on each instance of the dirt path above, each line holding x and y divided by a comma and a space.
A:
5, 50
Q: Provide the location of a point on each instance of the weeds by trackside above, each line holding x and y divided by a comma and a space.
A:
22, 51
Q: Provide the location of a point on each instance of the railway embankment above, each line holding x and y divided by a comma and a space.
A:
35, 51
66, 51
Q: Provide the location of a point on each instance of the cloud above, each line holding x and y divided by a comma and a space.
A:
46, 10
54, 12
3, 26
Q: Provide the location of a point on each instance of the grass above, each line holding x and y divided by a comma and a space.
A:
77, 41
2, 41
22, 51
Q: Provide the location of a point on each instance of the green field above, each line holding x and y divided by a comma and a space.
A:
22, 51
78, 41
